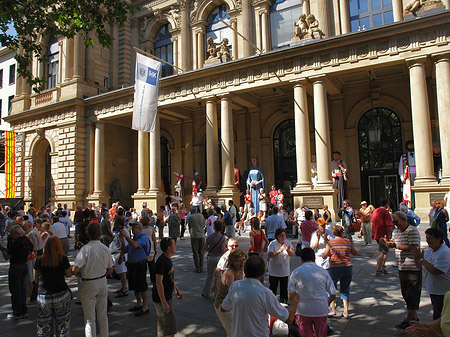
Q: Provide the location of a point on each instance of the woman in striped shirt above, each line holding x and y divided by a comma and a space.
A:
341, 267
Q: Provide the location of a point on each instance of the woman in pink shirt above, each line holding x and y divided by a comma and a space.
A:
307, 227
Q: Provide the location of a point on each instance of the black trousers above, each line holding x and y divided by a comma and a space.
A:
16, 277
273, 285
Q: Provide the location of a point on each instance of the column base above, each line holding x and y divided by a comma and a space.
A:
316, 198
445, 181
303, 186
425, 181
423, 196
96, 199
226, 194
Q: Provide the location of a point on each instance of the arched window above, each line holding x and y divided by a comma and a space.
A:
380, 149
164, 49
284, 157
370, 13
52, 62
283, 14
216, 29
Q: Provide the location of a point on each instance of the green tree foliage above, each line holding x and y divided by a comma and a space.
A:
37, 20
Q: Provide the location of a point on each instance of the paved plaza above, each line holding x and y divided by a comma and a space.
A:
376, 305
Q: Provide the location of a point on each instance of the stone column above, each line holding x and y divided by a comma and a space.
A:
397, 10
234, 45
155, 159
265, 31
442, 64
185, 35
321, 10
78, 57
201, 50
175, 55
227, 144
247, 28
322, 133
91, 129
196, 51
345, 16
421, 122
306, 7
143, 162
258, 30
99, 159
114, 62
68, 60
212, 146
302, 141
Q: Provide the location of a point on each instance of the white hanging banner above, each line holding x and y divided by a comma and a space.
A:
146, 86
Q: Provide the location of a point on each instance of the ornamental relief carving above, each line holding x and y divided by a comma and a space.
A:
52, 119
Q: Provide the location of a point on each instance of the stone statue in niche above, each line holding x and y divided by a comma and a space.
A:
306, 28
415, 6
212, 49
116, 191
224, 51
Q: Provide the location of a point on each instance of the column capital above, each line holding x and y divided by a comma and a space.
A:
416, 61
317, 79
210, 98
299, 82
438, 57
224, 97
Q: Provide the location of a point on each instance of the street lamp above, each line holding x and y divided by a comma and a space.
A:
374, 131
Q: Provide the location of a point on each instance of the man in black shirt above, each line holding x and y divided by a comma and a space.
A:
163, 289
19, 247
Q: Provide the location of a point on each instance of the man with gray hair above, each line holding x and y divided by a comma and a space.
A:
404, 239
18, 249
196, 225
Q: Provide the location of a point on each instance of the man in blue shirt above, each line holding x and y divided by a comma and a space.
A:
411, 217
228, 222
138, 249
273, 222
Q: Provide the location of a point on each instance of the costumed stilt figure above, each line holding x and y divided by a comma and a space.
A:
255, 181
339, 174
407, 173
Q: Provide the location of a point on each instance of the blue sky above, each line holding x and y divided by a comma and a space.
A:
11, 30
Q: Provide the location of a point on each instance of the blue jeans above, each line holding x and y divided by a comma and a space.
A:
16, 277
343, 275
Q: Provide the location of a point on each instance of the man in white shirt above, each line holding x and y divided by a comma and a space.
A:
299, 216
66, 221
313, 284
95, 263
251, 303
60, 231
273, 222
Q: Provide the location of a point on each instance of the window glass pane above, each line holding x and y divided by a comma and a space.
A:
388, 17
365, 23
354, 25
377, 20
353, 5
281, 25
363, 6
170, 53
387, 3
376, 5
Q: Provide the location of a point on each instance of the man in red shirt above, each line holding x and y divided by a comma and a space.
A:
382, 228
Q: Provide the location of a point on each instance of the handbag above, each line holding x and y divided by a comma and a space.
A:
355, 227
298, 249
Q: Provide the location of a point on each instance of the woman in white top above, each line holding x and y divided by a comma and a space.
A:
280, 252
319, 240
210, 221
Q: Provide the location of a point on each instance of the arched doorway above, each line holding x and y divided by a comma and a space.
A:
380, 148
284, 158
43, 187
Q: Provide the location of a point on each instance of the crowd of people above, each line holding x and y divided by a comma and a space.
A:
126, 242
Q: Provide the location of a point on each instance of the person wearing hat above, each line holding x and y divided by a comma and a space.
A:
364, 215
339, 174
138, 249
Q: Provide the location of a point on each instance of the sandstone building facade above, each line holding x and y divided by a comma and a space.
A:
377, 76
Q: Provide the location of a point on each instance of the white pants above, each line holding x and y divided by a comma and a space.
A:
226, 318
229, 232
94, 297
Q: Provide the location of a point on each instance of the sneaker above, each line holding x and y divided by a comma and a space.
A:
14, 316
403, 325
142, 312
182, 238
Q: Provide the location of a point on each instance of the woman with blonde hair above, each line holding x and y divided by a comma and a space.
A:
53, 293
234, 271
46, 232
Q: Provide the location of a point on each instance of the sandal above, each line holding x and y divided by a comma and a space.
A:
121, 293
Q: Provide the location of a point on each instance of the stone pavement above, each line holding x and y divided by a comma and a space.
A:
376, 305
